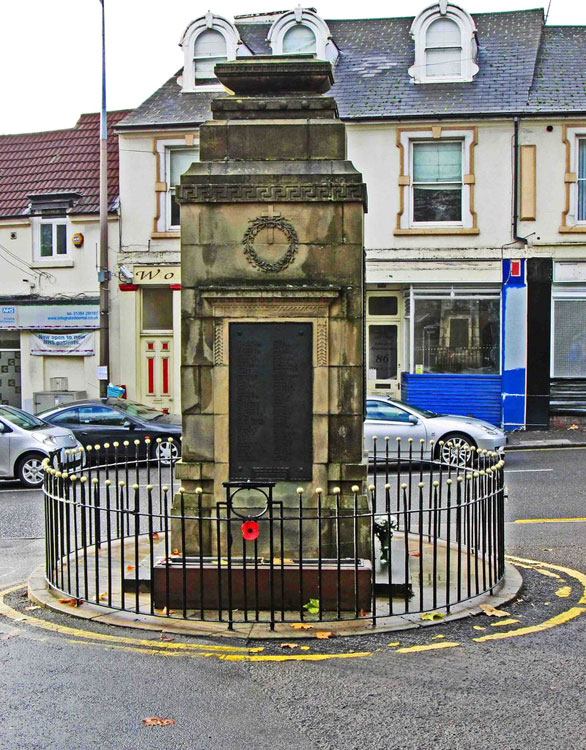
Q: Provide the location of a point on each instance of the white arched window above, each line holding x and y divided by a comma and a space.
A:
209, 49
208, 40
302, 31
445, 45
299, 39
443, 49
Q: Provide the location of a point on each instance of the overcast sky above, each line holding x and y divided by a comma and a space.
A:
50, 49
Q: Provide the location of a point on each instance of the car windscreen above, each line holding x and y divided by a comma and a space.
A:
140, 411
422, 412
22, 419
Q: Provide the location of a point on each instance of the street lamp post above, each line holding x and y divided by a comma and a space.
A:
103, 272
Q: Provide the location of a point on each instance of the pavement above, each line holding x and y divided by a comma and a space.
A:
560, 437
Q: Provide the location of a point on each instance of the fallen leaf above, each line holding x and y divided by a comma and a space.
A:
304, 648
432, 616
323, 634
415, 554
157, 721
548, 549
71, 602
130, 568
165, 637
392, 645
285, 561
103, 596
492, 612
288, 645
478, 627
155, 535
175, 552
563, 592
363, 613
301, 626
573, 427
312, 606
32, 607
437, 637
546, 604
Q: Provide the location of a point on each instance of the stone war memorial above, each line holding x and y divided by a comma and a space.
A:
272, 301
273, 526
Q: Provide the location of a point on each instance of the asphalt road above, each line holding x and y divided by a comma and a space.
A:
89, 688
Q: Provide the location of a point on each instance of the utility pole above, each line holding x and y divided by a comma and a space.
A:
103, 272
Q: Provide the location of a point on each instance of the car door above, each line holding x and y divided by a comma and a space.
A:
384, 419
102, 424
5, 457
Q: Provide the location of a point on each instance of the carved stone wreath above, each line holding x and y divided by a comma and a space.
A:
269, 222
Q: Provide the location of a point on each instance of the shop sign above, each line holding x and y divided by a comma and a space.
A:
63, 344
569, 271
157, 274
29, 317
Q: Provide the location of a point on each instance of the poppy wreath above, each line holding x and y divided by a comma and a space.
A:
270, 222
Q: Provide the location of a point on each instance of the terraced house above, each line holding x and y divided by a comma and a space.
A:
49, 234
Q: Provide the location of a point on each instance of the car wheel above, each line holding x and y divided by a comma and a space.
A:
456, 449
29, 470
167, 452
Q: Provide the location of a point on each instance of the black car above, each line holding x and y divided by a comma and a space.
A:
109, 420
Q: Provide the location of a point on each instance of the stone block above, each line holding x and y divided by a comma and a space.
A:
346, 386
221, 438
353, 223
188, 470
320, 390
327, 140
345, 340
345, 438
213, 141
197, 341
190, 389
198, 437
320, 438
220, 387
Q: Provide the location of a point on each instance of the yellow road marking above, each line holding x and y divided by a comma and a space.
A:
563, 592
427, 647
560, 568
509, 621
227, 653
560, 619
550, 520
13, 614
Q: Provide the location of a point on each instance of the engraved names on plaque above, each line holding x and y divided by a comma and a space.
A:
271, 401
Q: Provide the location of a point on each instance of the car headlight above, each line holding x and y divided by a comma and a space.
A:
45, 439
491, 430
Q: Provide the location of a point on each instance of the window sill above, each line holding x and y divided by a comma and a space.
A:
422, 231
174, 235
48, 263
580, 229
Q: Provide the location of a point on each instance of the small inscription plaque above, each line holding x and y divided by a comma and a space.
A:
271, 401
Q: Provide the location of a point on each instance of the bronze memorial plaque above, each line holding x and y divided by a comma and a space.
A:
271, 401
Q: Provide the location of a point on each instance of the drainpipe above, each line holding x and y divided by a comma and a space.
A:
516, 237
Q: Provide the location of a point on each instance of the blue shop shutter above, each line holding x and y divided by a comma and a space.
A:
467, 395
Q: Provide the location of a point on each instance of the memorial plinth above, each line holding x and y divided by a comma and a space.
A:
272, 270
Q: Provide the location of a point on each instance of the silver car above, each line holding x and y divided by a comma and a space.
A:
386, 417
25, 441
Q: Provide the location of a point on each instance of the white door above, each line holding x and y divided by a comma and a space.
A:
384, 345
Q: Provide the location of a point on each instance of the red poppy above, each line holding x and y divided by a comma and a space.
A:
250, 530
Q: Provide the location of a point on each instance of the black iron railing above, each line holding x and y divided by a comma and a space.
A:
425, 535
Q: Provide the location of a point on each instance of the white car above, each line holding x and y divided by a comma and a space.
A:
25, 441
386, 417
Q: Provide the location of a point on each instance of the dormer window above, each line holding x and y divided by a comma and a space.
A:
206, 41
443, 49
302, 31
209, 49
299, 39
445, 45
